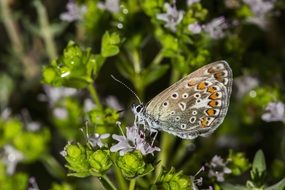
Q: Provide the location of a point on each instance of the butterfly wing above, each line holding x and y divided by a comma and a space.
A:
195, 105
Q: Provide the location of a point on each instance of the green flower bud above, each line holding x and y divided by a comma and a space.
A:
131, 164
100, 160
32, 145
173, 181
76, 156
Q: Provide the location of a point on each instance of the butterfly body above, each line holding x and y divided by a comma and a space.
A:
194, 106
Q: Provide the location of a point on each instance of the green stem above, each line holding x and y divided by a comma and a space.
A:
53, 166
120, 179
30, 66
132, 184
94, 96
107, 183
158, 58
167, 142
46, 30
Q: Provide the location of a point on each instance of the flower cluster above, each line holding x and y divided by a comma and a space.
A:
132, 141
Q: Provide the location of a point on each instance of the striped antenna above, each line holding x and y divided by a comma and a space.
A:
127, 88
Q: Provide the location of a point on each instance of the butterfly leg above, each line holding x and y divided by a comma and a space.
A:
155, 135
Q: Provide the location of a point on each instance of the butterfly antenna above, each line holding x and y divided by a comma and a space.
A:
127, 88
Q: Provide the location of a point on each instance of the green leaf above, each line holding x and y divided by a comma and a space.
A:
259, 166
228, 186
278, 186
109, 44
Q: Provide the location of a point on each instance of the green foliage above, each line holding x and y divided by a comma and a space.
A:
109, 45
16, 181
132, 165
238, 163
152, 44
171, 180
73, 69
83, 161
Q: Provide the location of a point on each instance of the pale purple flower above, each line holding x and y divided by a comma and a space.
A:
60, 113
88, 105
96, 139
260, 10
216, 28
74, 12
244, 84
112, 6
232, 4
218, 168
274, 111
172, 17
33, 126
195, 28
132, 141
64, 152
191, 2
5, 114
34, 184
54, 94
11, 158
112, 101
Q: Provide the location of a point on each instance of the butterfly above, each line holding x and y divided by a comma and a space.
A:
194, 106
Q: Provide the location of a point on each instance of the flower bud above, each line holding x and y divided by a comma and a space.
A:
100, 160
131, 164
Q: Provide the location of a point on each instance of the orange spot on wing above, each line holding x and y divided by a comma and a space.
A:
213, 103
201, 85
219, 76
203, 122
211, 112
214, 96
191, 82
212, 89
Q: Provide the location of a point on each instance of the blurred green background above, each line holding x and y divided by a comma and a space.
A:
56, 62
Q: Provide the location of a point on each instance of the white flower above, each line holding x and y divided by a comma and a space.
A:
274, 111
33, 126
244, 84
132, 141
34, 184
195, 28
260, 10
5, 114
191, 2
216, 28
60, 113
217, 168
112, 101
112, 6
11, 158
96, 139
74, 12
172, 17
55, 94
88, 105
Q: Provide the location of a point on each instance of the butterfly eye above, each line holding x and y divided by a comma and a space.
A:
139, 108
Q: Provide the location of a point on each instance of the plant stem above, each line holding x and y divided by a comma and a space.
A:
120, 179
132, 184
94, 96
166, 146
107, 183
30, 66
45, 30
158, 58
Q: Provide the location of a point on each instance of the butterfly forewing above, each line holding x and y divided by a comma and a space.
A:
195, 105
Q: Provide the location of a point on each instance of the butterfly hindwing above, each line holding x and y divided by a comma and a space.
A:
195, 105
